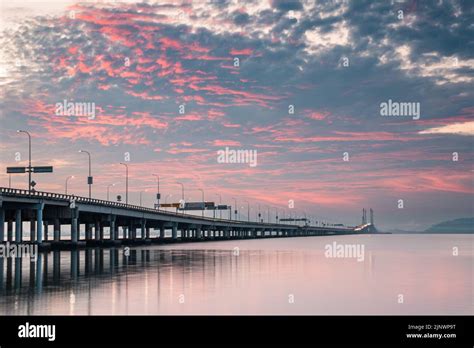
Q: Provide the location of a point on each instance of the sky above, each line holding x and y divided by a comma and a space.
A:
301, 83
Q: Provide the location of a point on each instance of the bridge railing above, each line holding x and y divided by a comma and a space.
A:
64, 197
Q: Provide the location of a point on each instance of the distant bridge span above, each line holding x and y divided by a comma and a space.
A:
108, 223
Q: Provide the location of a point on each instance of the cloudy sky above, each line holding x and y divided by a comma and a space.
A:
334, 62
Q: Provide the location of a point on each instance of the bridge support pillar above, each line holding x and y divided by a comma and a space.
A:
143, 229
174, 231
10, 230
162, 232
32, 230
46, 230
199, 232
57, 230
18, 226
39, 222
97, 230
147, 233
101, 231
2, 225
88, 231
74, 226
113, 230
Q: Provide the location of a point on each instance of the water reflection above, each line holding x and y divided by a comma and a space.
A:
259, 279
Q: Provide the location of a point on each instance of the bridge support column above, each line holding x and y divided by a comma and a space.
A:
74, 226
101, 231
2, 226
32, 230
10, 230
57, 230
46, 230
18, 226
143, 229
39, 222
199, 232
162, 232
113, 230
88, 231
97, 230
147, 233
174, 231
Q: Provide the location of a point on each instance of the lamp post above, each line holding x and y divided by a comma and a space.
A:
108, 190
248, 210
202, 191
259, 215
182, 196
157, 189
141, 193
276, 215
235, 210
29, 157
220, 203
126, 181
89, 178
67, 179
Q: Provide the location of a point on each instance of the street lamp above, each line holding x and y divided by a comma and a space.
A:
259, 215
126, 182
220, 203
157, 189
276, 215
108, 190
235, 210
9, 180
67, 179
182, 196
89, 178
248, 210
202, 191
141, 192
29, 157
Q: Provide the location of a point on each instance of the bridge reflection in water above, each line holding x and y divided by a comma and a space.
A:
75, 277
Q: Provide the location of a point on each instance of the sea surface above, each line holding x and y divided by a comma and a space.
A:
392, 274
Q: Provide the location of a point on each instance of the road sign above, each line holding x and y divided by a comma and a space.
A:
43, 169
194, 206
169, 205
90, 179
16, 170
222, 207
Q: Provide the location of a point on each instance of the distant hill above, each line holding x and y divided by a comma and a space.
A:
398, 231
464, 225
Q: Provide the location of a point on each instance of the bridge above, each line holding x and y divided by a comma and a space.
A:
56, 222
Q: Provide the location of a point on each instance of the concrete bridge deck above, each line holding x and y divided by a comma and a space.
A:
108, 223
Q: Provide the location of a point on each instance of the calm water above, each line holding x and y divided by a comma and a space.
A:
273, 276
